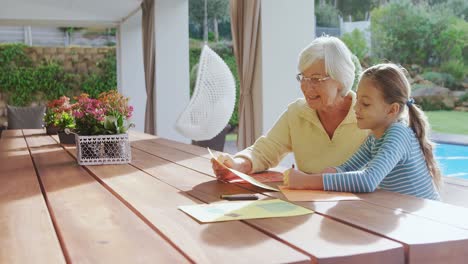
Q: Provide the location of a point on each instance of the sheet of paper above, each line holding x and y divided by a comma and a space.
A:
316, 196
269, 176
245, 176
239, 210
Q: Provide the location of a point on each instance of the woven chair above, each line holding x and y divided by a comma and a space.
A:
212, 102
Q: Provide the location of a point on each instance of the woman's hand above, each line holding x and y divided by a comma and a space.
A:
329, 170
302, 180
238, 164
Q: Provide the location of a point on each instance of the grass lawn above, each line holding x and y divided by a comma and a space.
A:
231, 137
450, 122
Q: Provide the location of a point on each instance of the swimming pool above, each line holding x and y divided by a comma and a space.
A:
453, 160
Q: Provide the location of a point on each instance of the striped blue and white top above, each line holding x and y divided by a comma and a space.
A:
394, 162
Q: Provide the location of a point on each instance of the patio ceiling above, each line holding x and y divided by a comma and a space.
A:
79, 13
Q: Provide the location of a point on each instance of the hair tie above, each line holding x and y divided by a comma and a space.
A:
410, 102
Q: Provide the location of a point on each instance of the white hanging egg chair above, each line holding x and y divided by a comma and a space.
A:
213, 99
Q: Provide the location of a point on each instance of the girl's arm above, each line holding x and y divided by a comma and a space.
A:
360, 158
367, 180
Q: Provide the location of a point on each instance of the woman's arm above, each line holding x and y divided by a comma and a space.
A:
268, 150
302, 180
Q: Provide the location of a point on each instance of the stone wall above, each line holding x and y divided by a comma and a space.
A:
80, 60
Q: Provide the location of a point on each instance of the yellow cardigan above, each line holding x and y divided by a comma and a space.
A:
300, 131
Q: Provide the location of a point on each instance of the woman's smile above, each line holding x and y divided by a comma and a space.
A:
312, 97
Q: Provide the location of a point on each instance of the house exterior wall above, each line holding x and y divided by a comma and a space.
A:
283, 36
130, 68
172, 65
286, 28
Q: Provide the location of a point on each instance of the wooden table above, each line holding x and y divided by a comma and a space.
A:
54, 211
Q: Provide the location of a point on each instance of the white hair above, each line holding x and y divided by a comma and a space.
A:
337, 58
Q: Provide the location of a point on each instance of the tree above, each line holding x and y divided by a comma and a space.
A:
327, 16
220, 12
217, 11
356, 9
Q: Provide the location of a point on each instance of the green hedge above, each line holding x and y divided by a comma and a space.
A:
25, 83
105, 79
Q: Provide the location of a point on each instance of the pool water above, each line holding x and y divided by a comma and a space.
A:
453, 160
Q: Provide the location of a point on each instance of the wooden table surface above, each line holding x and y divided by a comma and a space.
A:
54, 211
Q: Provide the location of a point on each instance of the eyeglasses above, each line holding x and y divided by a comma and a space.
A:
301, 78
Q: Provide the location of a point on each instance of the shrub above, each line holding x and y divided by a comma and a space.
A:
464, 98
417, 86
402, 32
356, 42
451, 45
452, 40
52, 80
420, 34
13, 55
442, 79
431, 104
455, 68
19, 83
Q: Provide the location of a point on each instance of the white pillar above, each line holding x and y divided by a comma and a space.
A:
286, 28
172, 65
130, 69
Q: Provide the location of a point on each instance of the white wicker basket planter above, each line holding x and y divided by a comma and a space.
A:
103, 149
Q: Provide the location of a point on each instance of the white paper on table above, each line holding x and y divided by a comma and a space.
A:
239, 210
244, 176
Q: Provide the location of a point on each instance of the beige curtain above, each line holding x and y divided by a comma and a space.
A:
147, 8
245, 26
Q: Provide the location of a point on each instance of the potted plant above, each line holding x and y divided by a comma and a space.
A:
58, 117
101, 128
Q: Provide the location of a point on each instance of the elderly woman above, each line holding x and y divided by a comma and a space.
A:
321, 128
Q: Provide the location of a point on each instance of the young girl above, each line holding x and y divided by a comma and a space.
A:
395, 157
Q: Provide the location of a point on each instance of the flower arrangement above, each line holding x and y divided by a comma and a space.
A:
101, 126
59, 114
106, 115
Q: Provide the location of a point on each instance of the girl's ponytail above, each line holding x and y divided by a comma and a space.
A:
419, 124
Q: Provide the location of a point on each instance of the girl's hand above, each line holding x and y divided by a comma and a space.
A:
329, 170
223, 174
